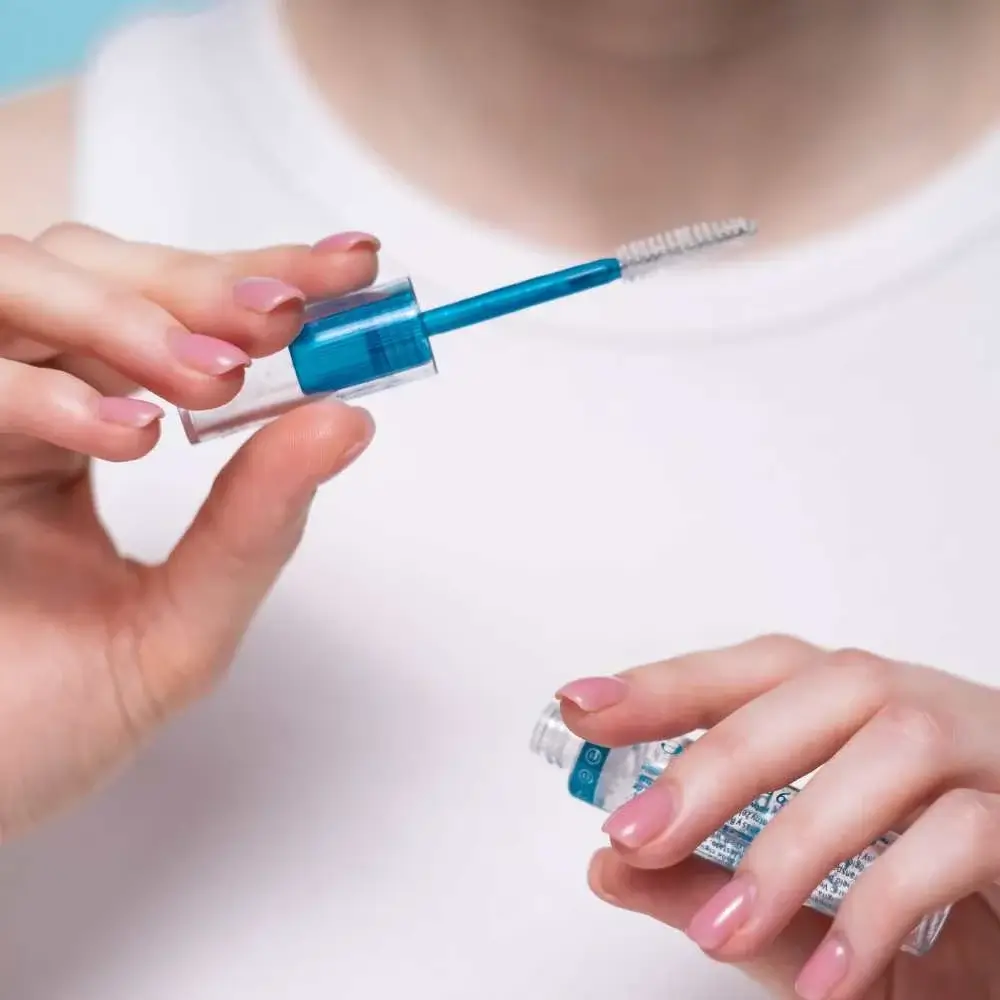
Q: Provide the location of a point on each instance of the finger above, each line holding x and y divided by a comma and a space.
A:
57, 303
674, 697
94, 372
336, 264
253, 299
888, 769
768, 743
201, 601
55, 407
674, 896
949, 853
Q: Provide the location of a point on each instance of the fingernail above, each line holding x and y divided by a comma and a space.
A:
206, 354
128, 412
344, 242
723, 915
265, 295
826, 970
594, 694
643, 819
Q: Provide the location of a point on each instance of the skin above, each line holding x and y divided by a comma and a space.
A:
900, 747
97, 650
582, 125
575, 123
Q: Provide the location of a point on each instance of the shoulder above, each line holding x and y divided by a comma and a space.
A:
36, 159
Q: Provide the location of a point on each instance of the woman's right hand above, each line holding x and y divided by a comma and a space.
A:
95, 648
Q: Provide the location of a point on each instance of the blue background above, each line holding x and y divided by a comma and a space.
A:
45, 38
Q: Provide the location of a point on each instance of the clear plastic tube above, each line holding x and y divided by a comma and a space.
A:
607, 778
349, 347
378, 338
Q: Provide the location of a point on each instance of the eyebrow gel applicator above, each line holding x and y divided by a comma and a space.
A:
379, 337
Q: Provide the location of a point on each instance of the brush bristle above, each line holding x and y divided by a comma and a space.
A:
643, 256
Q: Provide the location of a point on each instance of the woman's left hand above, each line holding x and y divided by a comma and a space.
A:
902, 747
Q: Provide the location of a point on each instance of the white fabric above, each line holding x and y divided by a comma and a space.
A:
809, 444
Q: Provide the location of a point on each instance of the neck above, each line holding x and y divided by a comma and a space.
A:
583, 124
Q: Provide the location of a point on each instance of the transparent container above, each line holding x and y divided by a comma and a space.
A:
352, 346
608, 778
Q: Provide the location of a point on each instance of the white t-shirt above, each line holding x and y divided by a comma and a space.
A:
806, 444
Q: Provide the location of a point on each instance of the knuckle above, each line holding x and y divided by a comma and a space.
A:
793, 846
781, 854
112, 308
849, 658
975, 817
33, 397
863, 669
916, 725
58, 389
11, 245
64, 234
719, 750
779, 646
192, 270
110, 300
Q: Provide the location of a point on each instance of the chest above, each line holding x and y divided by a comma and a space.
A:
536, 513
840, 485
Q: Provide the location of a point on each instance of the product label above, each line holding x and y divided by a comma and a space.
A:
727, 846
587, 772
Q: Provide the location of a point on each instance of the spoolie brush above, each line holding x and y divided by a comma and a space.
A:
379, 337
633, 260
643, 257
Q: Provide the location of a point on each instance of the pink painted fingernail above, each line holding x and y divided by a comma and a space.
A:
206, 354
644, 818
723, 915
345, 242
826, 970
594, 694
128, 412
265, 295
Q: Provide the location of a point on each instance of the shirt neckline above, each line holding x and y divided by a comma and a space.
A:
449, 255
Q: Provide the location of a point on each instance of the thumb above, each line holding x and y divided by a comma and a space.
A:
674, 895
202, 599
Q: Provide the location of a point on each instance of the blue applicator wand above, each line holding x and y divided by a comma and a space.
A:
379, 337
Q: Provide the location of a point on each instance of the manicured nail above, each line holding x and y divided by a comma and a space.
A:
206, 354
128, 412
723, 915
643, 819
345, 242
265, 295
826, 970
594, 694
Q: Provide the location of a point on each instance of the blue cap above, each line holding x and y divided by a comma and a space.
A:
349, 346
361, 339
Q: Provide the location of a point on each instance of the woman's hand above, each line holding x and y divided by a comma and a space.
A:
96, 649
903, 748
